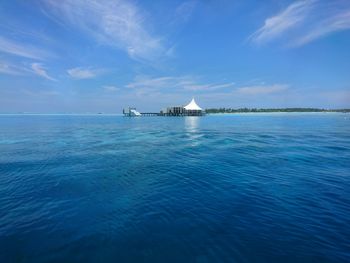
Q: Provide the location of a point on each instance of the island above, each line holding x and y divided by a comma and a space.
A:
267, 110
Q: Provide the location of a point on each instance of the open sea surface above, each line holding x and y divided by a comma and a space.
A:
219, 188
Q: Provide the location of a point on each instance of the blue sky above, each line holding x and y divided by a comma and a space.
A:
100, 56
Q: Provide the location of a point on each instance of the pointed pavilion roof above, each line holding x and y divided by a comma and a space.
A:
192, 105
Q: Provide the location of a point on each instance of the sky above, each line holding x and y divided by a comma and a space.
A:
89, 56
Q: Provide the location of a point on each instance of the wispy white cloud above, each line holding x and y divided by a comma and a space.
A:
276, 25
18, 69
337, 22
156, 83
84, 73
39, 93
22, 50
184, 11
304, 21
172, 83
110, 88
12, 69
116, 23
262, 89
39, 70
208, 87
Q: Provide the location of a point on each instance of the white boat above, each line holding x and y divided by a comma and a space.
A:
131, 112
134, 113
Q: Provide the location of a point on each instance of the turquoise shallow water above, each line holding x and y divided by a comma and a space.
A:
229, 188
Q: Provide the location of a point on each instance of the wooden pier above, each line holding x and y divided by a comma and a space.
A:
150, 114
184, 114
192, 109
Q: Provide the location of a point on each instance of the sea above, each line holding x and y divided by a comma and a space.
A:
220, 188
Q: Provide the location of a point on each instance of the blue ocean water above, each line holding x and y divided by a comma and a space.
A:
223, 188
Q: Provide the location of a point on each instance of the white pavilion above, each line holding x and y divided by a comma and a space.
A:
191, 109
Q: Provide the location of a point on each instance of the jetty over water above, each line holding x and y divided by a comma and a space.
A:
150, 114
191, 109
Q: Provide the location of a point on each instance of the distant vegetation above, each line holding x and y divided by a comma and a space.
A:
241, 110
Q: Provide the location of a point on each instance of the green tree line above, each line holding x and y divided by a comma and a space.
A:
241, 110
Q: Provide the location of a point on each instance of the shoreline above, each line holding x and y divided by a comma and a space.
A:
211, 114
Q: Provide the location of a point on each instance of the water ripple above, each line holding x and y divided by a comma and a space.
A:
240, 188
